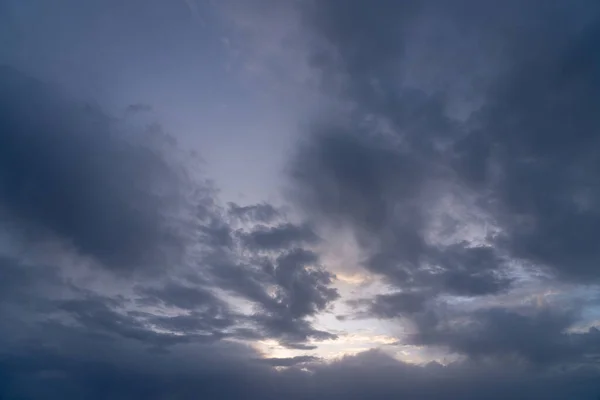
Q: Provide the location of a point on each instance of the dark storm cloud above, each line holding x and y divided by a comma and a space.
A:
292, 333
70, 170
102, 351
178, 295
279, 236
67, 362
206, 316
39, 297
540, 133
527, 153
361, 43
160, 316
100, 317
540, 336
378, 376
354, 176
216, 233
302, 289
207, 324
285, 287
391, 305
470, 271
285, 282
354, 180
305, 285
45, 375
263, 212
526, 156
118, 194
289, 361
285, 291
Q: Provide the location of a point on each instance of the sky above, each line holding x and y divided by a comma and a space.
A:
300, 199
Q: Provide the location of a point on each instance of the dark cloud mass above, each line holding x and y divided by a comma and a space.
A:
456, 151
277, 237
538, 336
70, 170
90, 204
263, 212
419, 186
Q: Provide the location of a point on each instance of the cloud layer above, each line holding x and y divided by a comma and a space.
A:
454, 156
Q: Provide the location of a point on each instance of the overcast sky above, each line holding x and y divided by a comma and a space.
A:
300, 199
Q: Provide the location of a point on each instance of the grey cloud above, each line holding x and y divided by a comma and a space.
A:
206, 315
68, 363
285, 290
206, 324
305, 285
362, 43
100, 317
117, 194
471, 271
289, 361
47, 298
270, 267
216, 233
263, 212
526, 153
291, 332
107, 355
378, 371
173, 294
47, 375
284, 293
353, 176
391, 305
72, 171
301, 289
245, 279
525, 157
353, 180
539, 133
278, 237
540, 336
474, 284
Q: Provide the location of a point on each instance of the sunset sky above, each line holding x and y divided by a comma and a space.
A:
299, 199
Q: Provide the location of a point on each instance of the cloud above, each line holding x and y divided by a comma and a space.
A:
463, 211
514, 154
75, 173
178, 295
79, 189
263, 212
537, 336
383, 195
278, 237
301, 289
290, 361
537, 134
393, 305
370, 374
452, 209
